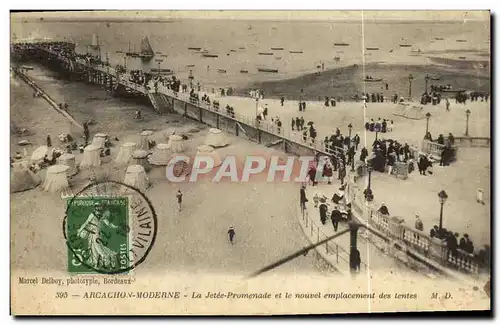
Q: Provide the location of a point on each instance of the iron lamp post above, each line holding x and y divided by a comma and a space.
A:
350, 129
467, 114
427, 116
442, 199
410, 78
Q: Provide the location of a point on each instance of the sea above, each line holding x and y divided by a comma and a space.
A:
239, 42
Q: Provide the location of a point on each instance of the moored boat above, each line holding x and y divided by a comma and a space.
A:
267, 70
341, 44
405, 45
221, 71
277, 48
461, 40
208, 55
265, 53
146, 50
371, 79
296, 52
243, 71
194, 48
372, 48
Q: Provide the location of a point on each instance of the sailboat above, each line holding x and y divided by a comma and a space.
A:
95, 42
131, 53
146, 53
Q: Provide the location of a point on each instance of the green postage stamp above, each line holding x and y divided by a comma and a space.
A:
98, 235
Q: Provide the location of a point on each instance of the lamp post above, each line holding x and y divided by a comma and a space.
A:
376, 134
350, 129
426, 82
442, 199
368, 192
467, 114
159, 61
410, 78
427, 116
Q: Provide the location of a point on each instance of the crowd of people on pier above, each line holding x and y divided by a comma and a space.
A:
379, 126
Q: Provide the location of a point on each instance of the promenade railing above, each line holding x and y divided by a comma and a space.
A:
339, 255
394, 228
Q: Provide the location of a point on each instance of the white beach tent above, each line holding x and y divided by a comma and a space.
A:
176, 144
161, 155
216, 138
22, 179
208, 151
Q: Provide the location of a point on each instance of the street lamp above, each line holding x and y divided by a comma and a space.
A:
427, 116
410, 78
426, 82
159, 61
376, 134
467, 113
350, 129
368, 192
442, 199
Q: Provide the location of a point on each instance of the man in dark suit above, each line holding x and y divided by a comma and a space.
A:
336, 217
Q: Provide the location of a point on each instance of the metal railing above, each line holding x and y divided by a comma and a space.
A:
339, 255
432, 248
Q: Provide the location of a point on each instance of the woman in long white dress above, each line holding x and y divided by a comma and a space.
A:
91, 229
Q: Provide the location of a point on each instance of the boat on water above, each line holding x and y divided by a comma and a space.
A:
164, 55
190, 65
241, 48
266, 53
119, 51
232, 50
208, 55
146, 53
371, 79
267, 70
278, 58
405, 45
158, 52
461, 40
243, 71
372, 48
194, 48
435, 78
95, 42
462, 57
221, 71
341, 44
277, 48
439, 38
296, 52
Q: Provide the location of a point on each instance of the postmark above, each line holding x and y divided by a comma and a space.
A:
109, 228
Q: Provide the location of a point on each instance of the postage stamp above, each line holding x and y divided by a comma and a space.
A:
109, 228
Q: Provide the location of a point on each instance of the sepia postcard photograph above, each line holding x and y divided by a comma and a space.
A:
250, 162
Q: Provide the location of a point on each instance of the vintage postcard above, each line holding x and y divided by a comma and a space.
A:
250, 163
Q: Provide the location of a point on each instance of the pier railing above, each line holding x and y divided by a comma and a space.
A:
396, 229
336, 255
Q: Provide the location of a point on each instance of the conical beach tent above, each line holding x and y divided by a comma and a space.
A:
99, 140
208, 151
39, 153
175, 144
70, 161
91, 157
136, 177
409, 111
216, 138
56, 179
161, 155
22, 179
125, 154
144, 145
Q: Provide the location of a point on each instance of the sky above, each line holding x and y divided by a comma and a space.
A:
409, 15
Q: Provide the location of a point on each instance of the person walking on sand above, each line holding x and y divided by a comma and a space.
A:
49, 141
282, 100
447, 105
179, 199
231, 235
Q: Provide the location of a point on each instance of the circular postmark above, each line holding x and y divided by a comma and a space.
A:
109, 228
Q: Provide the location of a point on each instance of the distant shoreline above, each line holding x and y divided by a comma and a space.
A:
347, 81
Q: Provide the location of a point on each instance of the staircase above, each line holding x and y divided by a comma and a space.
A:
160, 103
